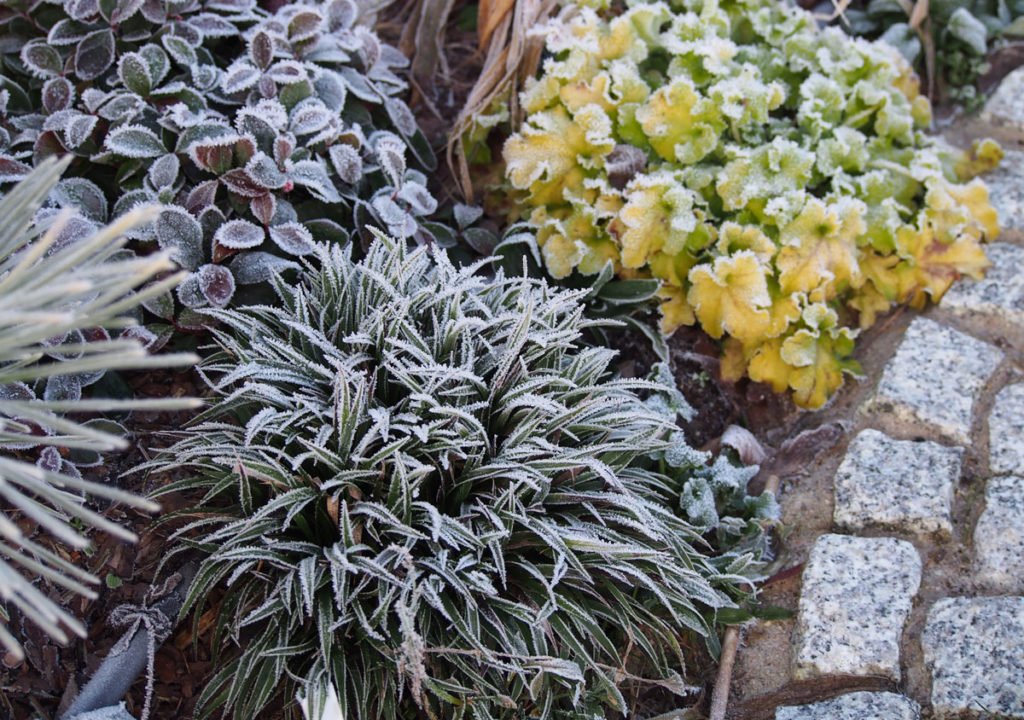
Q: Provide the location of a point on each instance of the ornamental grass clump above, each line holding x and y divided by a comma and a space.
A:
259, 134
67, 298
776, 177
423, 497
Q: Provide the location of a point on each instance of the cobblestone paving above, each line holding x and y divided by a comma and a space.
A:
953, 388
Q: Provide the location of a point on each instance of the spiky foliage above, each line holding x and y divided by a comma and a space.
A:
774, 176
251, 129
59, 296
423, 497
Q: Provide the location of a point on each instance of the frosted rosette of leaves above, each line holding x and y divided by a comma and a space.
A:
260, 134
766, 171
67, 294
423, 494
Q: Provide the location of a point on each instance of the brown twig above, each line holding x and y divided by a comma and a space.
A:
730, 646
720, 695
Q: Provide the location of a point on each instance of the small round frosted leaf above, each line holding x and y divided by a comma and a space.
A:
239, 78
66, 32
161, 305
420, 201
217, 284
83, 195
466, 215
179, 49
124, 10
312, 175
261, 49
265, 172
401, 116
94, 54
50, 459
293, 238
239, 235
63, 387
304, 25
189, 293
288, 72
310, 117
263, 208
83, 10
181, 235
41, 59
212, 26
390, 152
164, 172
58, 94
78, 129
250, 268
388, 210
342, 14
75, 229
12, 170
347, 163
331, 90
134, 141
216, 155
133, 70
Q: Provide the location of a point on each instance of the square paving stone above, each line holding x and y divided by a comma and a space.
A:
1006, 189
855, 706
1006, 106
1006, 431
999, 536
933, 381
856, 595
1000, 295
896, 485
974, 649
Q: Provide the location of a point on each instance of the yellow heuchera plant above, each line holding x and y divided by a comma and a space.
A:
776, 177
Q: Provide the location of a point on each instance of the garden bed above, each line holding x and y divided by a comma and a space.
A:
281, 162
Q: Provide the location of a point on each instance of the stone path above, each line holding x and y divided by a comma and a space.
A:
933, 479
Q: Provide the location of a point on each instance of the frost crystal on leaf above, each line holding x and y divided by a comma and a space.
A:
239, 235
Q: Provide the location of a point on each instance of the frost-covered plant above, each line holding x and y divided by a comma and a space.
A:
958, 32
259, 134
775, 177
62, 295
424, 497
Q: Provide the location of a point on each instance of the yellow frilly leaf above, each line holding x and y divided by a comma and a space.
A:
730, 295
675, 310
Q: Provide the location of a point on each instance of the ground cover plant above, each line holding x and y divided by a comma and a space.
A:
776, 177
260, 134
423, 497
67, 295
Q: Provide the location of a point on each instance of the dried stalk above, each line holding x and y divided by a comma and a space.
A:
512, 54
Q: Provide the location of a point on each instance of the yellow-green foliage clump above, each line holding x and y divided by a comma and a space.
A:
775, 177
